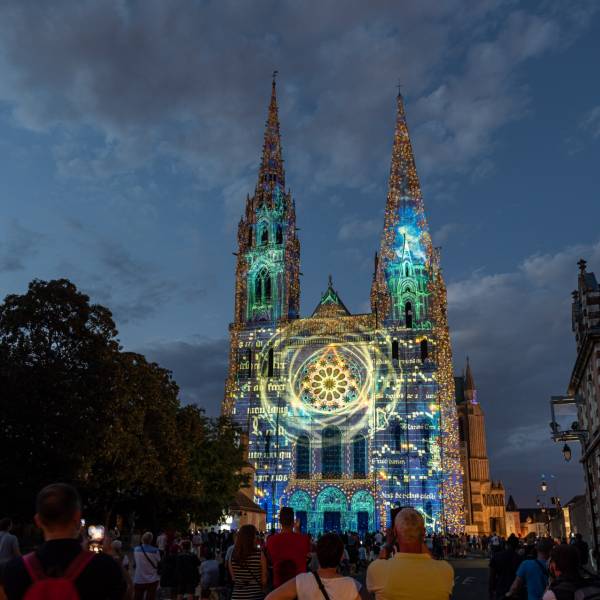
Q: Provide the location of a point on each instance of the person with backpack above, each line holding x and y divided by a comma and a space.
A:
566, 580
287, 550
248, 566
533, 573
325, 583
60, 569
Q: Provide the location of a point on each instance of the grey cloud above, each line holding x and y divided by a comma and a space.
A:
199, 367
17, 244
186, 81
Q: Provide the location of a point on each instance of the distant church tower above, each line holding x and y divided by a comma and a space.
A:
484, 499
346, 415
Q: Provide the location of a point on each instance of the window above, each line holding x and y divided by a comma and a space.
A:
406, 270
303, 457
461, 430
270, 363
395, 352
359, 445
250, 236
408, 315
332, 453
279, 235
262, 287
424, 350
249, 358
264, 235
397, 433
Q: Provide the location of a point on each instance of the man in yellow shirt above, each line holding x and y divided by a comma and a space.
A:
411, 573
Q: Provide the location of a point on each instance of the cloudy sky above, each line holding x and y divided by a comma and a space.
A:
130, 134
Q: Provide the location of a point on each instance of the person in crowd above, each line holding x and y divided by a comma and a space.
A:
187, 571
116, 549
566, 579
582, 548
61, 557
533, 573
411, 573
161, 543
168, 573
503, 568
323, 583
209, 574
9, 544
248, 566
146, 560
287, 550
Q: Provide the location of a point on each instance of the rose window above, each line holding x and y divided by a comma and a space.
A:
329, 383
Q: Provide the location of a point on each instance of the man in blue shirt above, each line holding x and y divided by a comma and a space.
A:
533, 573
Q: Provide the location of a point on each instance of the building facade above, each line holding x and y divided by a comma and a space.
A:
484, 499
347, 415
584, 386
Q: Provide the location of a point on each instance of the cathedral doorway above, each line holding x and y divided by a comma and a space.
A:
331, 510
362, 523
332, 521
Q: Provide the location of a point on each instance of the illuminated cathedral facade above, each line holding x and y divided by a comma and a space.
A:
346, 415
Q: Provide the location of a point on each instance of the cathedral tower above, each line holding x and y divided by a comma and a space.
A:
484, 499
268, 257
346, 415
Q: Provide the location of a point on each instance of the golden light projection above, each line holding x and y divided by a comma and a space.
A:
329, 383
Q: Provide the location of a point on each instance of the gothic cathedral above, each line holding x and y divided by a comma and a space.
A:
347, 415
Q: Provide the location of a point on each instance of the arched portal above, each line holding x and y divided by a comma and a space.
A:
362, 507
331, 508
302, 504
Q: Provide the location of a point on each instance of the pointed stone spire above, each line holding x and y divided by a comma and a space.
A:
405, 225
271, 172
470, 390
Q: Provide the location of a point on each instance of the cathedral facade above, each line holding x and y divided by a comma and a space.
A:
347, 415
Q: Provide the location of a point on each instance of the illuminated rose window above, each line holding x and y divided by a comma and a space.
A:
328, 383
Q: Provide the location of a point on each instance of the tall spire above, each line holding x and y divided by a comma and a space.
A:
405, 225
469, 381
470, 390
271, 172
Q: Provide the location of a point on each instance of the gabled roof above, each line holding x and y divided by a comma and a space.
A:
511, 505
330, 305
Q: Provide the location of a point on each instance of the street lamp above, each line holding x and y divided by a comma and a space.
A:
567, 452
544, 487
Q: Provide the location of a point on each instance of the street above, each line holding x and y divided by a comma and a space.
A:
470, 579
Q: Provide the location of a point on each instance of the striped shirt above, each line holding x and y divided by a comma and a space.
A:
247, 578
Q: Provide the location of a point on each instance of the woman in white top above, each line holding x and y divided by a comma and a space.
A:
326, 583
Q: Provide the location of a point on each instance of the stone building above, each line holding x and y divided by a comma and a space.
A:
584, 385
347, 415
484, 499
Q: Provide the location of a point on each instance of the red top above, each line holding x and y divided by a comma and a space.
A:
288, 552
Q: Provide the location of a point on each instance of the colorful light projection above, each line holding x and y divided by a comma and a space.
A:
328, 383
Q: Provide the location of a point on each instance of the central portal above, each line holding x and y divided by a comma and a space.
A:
332, 521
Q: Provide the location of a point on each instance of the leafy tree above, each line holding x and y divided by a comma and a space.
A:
76, 408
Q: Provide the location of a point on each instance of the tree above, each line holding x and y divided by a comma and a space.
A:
55, 351
76, 408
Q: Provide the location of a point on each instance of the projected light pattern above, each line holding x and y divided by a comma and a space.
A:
328, 383
346, 415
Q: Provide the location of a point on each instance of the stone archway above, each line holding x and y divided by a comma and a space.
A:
302, 504
331, 510
362, 507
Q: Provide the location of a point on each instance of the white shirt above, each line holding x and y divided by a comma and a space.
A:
338, 588
146, 564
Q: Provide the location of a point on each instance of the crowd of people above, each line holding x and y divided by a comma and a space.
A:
402, 564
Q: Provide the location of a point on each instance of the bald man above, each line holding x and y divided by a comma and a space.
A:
411, 573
